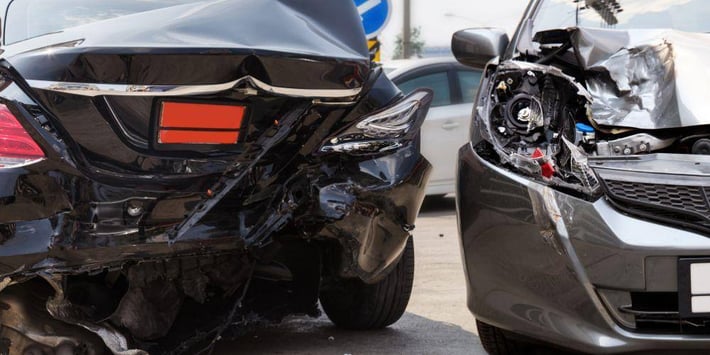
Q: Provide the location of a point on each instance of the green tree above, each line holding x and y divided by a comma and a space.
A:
416, 44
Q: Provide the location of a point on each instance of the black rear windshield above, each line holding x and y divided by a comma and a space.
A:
30, 18
684, 15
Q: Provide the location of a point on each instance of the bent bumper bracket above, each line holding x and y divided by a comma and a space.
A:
232, 177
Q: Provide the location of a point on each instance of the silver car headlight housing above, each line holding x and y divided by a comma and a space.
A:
537, 121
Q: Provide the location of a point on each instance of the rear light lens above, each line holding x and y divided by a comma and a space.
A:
385, 130
17, 148
392, 123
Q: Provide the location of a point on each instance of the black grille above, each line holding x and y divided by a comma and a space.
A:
690, 198
657, 313
687, 206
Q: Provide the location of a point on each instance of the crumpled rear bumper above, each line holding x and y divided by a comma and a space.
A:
556, 268
373, 218
48, 253
368, 205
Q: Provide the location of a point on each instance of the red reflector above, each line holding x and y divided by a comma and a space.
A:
197, 137
199, 123
15, 142
205, 116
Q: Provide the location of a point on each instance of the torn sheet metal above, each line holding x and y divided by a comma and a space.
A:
647, 79
142, 285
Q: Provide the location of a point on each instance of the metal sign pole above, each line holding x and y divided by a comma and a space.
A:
407, 30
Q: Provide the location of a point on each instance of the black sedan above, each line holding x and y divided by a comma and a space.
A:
171, 170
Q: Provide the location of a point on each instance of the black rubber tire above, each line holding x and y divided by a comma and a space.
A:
495, 341
353, 304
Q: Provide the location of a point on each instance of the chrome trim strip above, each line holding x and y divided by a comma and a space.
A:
311, 93
92, 90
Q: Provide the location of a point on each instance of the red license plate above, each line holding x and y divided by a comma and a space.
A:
199, 123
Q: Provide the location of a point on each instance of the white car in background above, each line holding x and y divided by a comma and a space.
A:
446, 127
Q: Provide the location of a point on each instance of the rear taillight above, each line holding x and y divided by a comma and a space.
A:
17, 148
385, 130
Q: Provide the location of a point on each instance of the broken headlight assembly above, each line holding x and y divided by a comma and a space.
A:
384, 130
608, 105
537, 120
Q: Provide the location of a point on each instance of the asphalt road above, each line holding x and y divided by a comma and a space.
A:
437, 320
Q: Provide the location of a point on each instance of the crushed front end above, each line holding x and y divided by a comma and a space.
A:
582, 198
123, 230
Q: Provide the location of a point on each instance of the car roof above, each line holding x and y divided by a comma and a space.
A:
399, 67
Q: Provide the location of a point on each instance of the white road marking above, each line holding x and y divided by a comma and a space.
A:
367, 6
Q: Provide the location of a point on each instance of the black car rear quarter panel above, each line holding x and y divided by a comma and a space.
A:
66, 210
104, 202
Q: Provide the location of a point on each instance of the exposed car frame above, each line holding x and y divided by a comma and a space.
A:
580, 266
115, 238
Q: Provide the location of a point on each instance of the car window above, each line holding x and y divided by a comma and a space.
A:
437, 82
469, 81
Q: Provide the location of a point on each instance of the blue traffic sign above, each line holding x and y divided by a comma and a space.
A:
374, 15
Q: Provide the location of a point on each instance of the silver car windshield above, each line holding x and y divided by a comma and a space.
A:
684, 15
31, 18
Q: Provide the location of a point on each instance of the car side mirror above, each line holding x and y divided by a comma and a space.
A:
476, 46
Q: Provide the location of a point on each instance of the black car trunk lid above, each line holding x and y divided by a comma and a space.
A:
106, 82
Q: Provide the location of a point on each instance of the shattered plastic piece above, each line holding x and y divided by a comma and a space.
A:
541, 153
548, 216
546, 166
580, 166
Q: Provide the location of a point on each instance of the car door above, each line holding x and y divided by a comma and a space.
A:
446, 127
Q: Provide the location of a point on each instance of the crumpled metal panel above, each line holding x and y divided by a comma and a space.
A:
648, 79
298, 44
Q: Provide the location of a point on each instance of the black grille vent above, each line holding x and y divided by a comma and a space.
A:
687, 206
657, 313
691, 198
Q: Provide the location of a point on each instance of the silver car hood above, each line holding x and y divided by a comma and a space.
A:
647, 79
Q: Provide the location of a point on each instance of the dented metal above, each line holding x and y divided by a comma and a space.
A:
593, 204
624, 82
137, 246
93, 90
651, 83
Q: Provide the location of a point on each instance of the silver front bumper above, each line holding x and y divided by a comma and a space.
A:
538, 260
